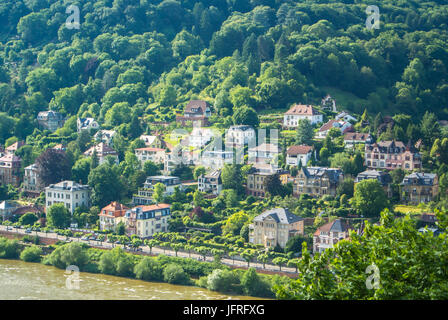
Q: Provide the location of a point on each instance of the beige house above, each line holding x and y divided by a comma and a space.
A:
145, 221
111, 215
102, 151
152, 141
300, 112
275, 227
329, 234
156, 155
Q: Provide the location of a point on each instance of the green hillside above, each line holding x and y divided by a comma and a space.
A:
148, 58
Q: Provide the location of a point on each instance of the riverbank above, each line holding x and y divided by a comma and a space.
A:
173, 270
21, 280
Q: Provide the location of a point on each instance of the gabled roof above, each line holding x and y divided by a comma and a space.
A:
15, 146
419, 178
116, 208
337, 225
299, 149
280, 215
301, 109
10, 158
102, 149
150, 149
359, 136
333, 123
197, 104
318, 172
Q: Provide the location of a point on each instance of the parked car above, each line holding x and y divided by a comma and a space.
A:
28, 230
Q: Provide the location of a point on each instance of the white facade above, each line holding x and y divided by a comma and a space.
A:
71, 194
199, 137
216, 159
155, 155
105, 136
86, 124
240, 135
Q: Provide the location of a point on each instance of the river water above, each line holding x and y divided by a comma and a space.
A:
35, 281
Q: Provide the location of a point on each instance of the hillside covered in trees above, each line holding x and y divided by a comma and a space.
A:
146, 59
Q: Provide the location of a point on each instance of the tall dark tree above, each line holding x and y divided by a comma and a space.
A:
53, 166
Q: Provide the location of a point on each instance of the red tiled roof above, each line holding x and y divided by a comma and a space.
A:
150, 149
15, 146
356, 136
155, 207
301, 109
300, 149
328, 125
101, 149
193, 104
116, 208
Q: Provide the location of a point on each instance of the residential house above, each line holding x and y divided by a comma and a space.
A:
419, 187
257, 175
31, 182
10, 170
111, 215
210, 183
105, 136
86, 124
197, 113
328, 103
215, 159
152, 141
383, 178
145, 221
50, 120
238, 136
346, 117
317, 181
145, 194
266, 153
299, 154
7, 208
392, 155
14, 147
300, 112
102, 151
275, 227
70, 193
353, 138
329, 234
341, 125
156, 155
199, 137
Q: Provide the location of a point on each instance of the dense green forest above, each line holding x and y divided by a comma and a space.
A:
142, 58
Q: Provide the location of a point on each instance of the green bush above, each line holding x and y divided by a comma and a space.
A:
223, 281
175, 274
148, 269
254, 285
31, 254
68, 254
9, 249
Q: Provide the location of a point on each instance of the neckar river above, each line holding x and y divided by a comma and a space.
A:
32, 281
